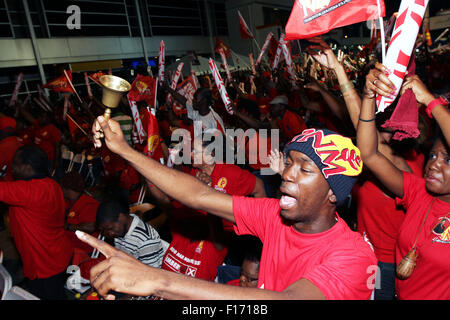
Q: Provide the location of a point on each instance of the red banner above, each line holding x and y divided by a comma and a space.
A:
221, 45
153, 148
244, 29
143, 88
311, 18
60, 84
96, 76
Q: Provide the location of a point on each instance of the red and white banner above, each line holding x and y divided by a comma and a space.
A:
220, 86
137, 120
311, 18
194, 77
402, 43
86, 79
289, 63
16, 90
264, 48
225, 63
276, 60
243, 28
162, 61
175, 79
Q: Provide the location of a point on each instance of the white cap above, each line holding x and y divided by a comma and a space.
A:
279, 99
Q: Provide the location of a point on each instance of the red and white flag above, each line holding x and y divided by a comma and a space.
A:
220, 86
225, 63
277, 58
175, 79
311, 18
401, 46
264, 48
162, 61
243, 28
16, 90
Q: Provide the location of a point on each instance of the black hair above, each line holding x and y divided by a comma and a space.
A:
206, 93
109, 210
253, 250
35, 157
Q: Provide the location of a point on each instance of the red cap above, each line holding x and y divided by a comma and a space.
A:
7, 122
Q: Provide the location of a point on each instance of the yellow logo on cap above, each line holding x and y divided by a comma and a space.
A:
337, 153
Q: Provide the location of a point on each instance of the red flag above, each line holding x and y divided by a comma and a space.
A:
221, 45
243, 28
153, 148
311, 18
96, 76
143, 88
60, 84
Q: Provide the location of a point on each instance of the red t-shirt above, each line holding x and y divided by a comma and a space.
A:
291, 124
431, 277
8, 147
338, 261
379, 218
37, 225
84, 210
231, 179
195, 258
46, 137
235, 282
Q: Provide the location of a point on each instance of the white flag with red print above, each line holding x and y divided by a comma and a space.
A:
402, 44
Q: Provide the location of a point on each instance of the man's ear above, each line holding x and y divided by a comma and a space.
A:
332, 197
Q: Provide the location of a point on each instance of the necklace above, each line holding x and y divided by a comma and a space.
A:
406, 266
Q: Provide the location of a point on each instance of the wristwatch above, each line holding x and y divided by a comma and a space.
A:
434, 103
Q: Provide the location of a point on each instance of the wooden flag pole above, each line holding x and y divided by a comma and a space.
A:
73, 88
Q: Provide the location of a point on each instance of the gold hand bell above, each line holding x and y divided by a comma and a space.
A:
113, 90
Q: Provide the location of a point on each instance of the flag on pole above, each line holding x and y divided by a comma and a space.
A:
220, 86
16, 90
401, 46
96, 77
162, 61
60, 84
153, 149
221, 45
312, 18
264, 48
244, 29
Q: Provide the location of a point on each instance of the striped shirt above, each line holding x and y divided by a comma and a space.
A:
126, 124
142, 242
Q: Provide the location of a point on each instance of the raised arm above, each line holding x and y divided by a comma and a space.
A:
180, 186
327, 58
440, 112
366, 134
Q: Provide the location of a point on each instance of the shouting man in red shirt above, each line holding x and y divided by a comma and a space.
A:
308, 252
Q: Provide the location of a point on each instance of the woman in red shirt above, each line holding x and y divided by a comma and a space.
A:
424, 234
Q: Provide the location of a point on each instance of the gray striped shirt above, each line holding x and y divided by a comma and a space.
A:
126, 125
142, 242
